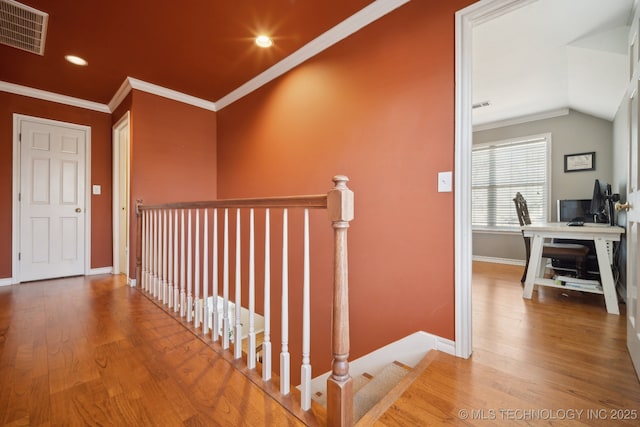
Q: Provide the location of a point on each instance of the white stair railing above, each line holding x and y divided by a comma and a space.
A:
174, 266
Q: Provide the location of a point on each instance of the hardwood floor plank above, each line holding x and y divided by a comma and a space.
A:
559, 355
92, 351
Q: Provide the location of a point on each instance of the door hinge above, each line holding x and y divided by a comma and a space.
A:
19, 197
20, 137
19, 256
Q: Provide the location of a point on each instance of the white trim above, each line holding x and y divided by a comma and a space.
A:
6, 282
498, 230
462, 195
523, 119
130, 83
171, 94
53, 97
120, 95
357, 21
481, 11
125, 120
15, 232
360, 19
101, 270
495, 260
446, 346
409, 351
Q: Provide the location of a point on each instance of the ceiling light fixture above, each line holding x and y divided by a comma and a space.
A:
76, 60
264, 41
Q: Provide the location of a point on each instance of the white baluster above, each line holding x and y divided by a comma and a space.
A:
158, 290
176, 257
170, 256
144, 265
305, 369
266, 345
155, 254
216, 323
205, 274
284, 352
165, 279
182, 267
237, 347
196, 305
251, 357
189, 306
225, 283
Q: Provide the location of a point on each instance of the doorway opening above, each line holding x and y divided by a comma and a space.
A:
121, 205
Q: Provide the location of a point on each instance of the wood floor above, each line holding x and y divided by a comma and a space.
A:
92, 351
557, 359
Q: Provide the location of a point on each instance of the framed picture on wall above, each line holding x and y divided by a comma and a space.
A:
580, 162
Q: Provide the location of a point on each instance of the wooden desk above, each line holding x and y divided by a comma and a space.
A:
603, 236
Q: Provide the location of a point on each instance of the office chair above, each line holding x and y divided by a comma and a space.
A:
563, 251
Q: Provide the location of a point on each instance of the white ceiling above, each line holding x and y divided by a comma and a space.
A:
551, 55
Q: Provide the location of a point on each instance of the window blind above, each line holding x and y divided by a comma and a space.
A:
499, 171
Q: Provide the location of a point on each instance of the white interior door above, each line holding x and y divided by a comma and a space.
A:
633, 240
52, 200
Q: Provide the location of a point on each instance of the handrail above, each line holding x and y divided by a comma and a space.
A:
339, 205
317, 201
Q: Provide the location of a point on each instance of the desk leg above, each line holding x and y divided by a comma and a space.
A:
606, 277
535, 260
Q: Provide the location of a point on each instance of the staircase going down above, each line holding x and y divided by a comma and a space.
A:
370, 389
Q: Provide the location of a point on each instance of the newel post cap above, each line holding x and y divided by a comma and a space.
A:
340, 200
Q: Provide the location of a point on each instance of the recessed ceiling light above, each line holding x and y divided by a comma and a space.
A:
76, 60
264, 41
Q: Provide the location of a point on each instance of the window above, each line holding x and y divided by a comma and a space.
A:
500, 170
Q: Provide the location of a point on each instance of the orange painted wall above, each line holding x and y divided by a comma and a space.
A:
378, 107
100, 124
173, 153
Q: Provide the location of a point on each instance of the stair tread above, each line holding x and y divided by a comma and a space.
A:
378, 387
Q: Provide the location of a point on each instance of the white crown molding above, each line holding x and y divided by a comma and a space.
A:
360, 19
53, 97
171, 94
120, 95
524, 119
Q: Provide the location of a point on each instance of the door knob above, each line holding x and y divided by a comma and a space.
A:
78, 210
622, 206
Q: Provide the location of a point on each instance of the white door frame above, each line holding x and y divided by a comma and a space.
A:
465, 19
124, 121
15, 221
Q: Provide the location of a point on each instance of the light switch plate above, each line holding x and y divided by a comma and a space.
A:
97, 190
445, 182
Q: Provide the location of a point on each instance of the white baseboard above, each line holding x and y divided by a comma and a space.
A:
498, 260
409, 350
101, 270
6, 282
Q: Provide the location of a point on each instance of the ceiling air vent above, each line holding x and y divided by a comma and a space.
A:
22, 27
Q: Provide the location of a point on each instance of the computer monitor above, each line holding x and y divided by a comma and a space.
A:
602, 202
575, 209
